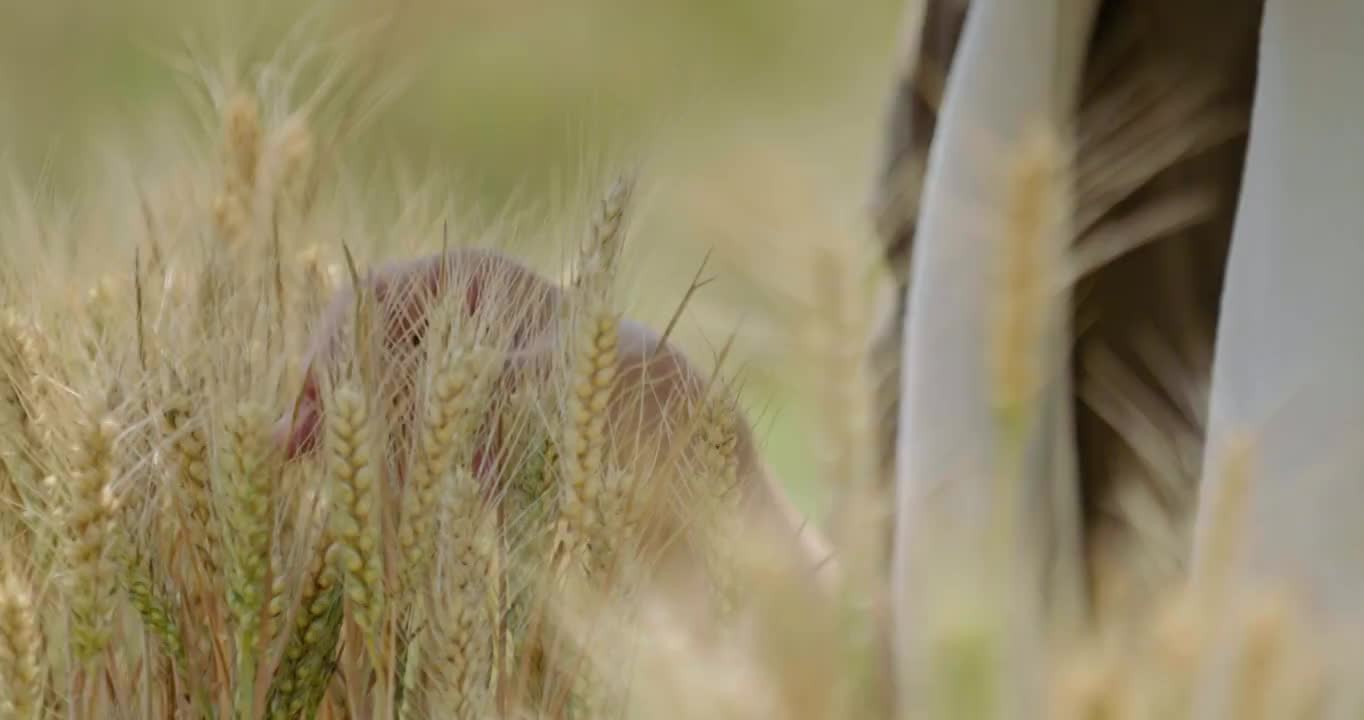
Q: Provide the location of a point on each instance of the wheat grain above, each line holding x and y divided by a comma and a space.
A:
1090, 688
188, 450
459, 642
156, 612
310, 655
587, 476
1028, 266
1273, 674
13, 471
355, 517
90, 538
297, 159
591, 372
1028, 308
585, 432
21, 659
243, 139
21, 397
457, 390
527, 537
599, 256
249, 483
720, 469
233, 208
1227, 514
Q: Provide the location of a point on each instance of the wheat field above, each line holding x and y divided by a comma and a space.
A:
253, 465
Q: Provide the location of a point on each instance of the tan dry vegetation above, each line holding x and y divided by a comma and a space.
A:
176, 548
229, 487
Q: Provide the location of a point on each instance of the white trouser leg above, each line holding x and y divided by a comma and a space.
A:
1017, 68
1289, 371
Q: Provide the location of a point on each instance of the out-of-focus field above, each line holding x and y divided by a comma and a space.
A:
756, 123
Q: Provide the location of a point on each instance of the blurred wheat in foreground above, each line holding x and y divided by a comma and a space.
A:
160, 557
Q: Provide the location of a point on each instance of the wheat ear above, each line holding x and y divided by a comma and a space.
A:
457, 646
585, 428
1227, 511
527, 537
22, 356
837, 339
232, 209
719, 440
355, 516
457, 391
297, 162
21, 679
1027, 316
1090, 687
22, 431
188, 451
90, 541
310, 655
156, 613
1028, 275
245, 459
586, 477
592, 372
12, 476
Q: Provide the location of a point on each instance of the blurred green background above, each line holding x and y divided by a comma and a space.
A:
757, 121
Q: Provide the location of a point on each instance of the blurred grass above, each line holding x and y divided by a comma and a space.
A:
733, 104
